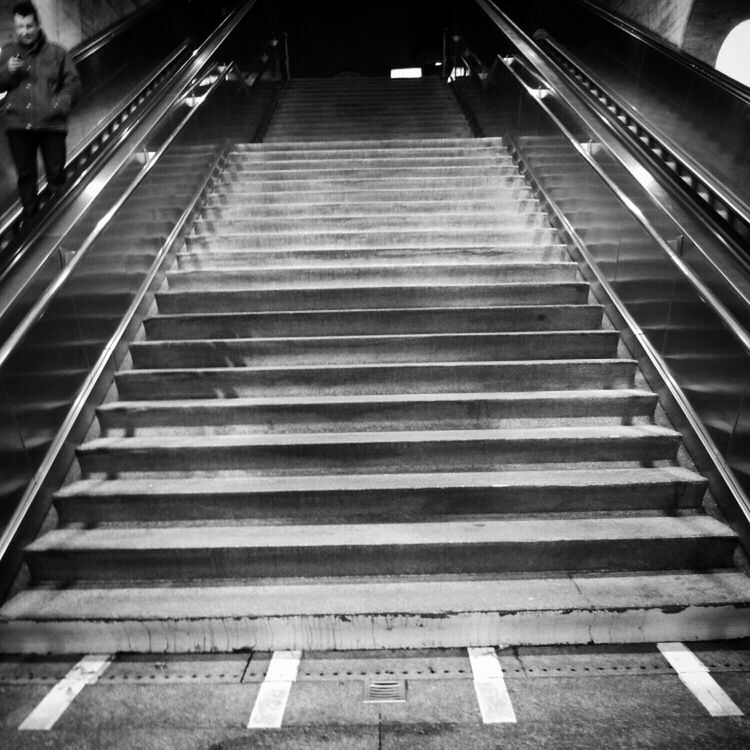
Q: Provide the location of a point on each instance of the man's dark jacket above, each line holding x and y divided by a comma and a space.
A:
42, 94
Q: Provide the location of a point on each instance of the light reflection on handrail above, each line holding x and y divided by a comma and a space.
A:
92, 46
736, 329
187, 77
82, 156
696, 424
706, 179
198, 59
686, 60
13, 527
43, 303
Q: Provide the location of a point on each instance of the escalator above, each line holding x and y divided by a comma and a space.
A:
393, 380
103, 262
704, 113
121, 69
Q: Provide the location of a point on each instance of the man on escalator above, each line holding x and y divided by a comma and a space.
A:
43, 85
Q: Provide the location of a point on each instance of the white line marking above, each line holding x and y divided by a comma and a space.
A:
273, 695
56, 702
695, 676
489, 684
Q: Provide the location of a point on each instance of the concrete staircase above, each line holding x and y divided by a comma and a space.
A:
377, 409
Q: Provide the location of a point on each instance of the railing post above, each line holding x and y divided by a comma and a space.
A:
286, 57
444, 75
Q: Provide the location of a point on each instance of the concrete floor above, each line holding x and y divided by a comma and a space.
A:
580, 697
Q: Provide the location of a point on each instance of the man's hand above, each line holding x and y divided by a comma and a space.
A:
15, 64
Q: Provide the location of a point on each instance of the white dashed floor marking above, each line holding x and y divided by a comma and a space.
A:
56, 702
268, 711
694, 675
489, 684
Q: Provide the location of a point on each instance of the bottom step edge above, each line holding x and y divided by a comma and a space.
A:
388, 631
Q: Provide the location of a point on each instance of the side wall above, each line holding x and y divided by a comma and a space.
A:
71, 22
710, 22
697, 26
667, 18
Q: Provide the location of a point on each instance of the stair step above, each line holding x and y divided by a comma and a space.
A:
258, 278
415, 191
327, 134
358, 170
336, 209
489, 221
358, 452
380, 237
384, 143
489, 148
341, 349
374, 320
450, 377
344, 256
692, 542
487, 184
416, 161
381, 412
277, 195
385, 497
311, 298
378, 613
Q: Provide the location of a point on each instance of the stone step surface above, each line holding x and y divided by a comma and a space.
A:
376, 412
381, 497
424, 377
410, 450
380, 613
320, 297
374, 320
446, 547
345, 256
375, 406
427, 274
425, 347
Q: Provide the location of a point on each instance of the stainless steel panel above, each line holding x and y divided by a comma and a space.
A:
703, 357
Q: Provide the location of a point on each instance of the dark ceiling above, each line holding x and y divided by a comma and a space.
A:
333, 37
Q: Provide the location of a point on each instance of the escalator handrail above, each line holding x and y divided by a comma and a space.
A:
737, 330
716, 188
527, 47
41, 306
198, 59
183, 79
91, 46
85, 151
12, 529
685, 59
728, 477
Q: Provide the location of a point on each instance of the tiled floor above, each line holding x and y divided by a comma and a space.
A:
581, 697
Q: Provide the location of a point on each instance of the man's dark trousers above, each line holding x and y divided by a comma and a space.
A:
23, 149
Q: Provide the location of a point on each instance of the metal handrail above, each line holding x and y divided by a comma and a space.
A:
80, 160
743, 504
684, 162
12, 529
717, 306
93, 45
186, 77
43, 303
685, 59
198, 59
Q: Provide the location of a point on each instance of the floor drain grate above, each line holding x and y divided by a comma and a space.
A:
385, 691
